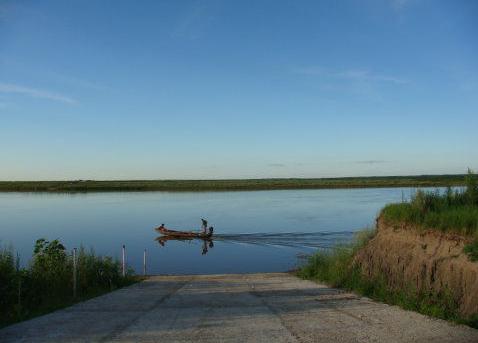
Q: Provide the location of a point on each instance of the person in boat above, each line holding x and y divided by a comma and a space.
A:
204, 225
162, 226
211, 230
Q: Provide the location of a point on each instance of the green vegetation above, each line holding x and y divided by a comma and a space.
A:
47, 284
471, 250
230, 185
336, 268
452, 211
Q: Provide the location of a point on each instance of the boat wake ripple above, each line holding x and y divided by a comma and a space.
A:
325, 240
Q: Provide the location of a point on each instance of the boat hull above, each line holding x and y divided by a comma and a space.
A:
182, 234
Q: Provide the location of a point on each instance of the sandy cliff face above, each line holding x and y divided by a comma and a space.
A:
426, 260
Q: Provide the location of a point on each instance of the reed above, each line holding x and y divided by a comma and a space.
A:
47, 283
449, 211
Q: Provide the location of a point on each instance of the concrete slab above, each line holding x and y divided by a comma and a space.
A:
271, 307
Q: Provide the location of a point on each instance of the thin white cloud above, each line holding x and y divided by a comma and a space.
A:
85, 84
74, 81
365, 75
362, 75
311, 70
398, 5
371, 162
36, 93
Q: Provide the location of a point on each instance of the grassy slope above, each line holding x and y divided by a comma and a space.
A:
230, 185
451, 211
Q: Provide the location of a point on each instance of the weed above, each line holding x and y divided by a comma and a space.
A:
471, 250
47, 283
451, 211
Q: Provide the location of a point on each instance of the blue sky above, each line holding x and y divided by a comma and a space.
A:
237, 89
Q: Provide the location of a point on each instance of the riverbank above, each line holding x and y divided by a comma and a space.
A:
264, 307
427, 272
422, 256
429, 262
231, 185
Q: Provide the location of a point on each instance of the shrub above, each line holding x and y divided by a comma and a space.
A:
47, 283
8, 280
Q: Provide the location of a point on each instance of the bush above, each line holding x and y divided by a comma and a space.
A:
8, 281
97, 273
47, 284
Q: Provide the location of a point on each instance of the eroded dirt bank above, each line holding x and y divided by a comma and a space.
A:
427, 260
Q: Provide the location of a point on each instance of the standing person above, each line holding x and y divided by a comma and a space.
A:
204, 225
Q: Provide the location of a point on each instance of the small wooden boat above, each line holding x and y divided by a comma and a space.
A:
183, 234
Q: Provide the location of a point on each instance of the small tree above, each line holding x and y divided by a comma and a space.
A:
50, 273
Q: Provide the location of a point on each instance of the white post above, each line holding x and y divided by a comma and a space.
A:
74, 272
124, 260
144, 262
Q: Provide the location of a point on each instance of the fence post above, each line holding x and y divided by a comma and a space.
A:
124, 261
74, 272
144, 262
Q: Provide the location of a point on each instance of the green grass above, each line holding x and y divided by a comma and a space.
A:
471, 250
336, 268
47, 283
451, 211
230, 185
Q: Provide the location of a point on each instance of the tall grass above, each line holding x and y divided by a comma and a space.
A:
47, 283
451, 211
337, 269
333, 266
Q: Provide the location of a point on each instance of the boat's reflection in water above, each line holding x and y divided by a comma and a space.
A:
207, 243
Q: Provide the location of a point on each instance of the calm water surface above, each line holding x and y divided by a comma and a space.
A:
256, 231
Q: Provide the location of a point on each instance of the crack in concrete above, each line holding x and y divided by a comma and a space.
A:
122, 327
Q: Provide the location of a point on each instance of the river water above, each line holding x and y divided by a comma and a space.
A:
256, 231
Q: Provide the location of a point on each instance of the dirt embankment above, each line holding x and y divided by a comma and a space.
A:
427, 260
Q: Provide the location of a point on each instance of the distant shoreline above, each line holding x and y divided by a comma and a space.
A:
81, 186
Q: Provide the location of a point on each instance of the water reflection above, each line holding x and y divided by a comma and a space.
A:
319, 240
207, 243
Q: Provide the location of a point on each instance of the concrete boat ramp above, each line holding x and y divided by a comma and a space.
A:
271, 307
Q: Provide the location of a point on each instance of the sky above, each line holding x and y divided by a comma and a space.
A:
237, 89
